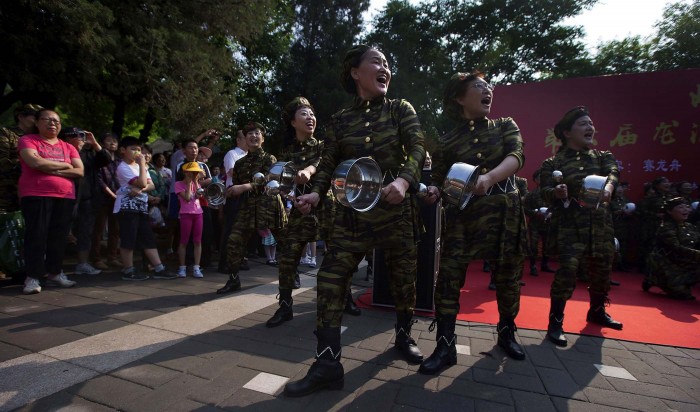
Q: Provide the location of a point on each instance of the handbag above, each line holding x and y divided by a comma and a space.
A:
12, 242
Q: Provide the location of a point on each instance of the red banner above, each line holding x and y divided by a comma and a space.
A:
650, 121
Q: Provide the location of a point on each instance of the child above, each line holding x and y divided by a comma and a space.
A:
191, 217
131, 206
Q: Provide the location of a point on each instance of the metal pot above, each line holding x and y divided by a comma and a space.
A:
459, 184
216, 194
357, 183
592, 191
284, 174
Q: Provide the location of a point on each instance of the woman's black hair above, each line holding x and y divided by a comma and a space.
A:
567, 121
455, 88
352, 59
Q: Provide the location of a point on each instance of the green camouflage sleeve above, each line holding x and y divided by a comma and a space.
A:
413, 141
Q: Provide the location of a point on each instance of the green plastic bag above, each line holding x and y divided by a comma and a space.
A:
12, 242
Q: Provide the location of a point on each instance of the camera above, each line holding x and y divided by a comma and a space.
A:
68, 132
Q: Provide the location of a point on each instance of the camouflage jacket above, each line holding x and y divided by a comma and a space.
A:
303, 155
387, 130
483, 143
261, 211
576, 223
9, 167
680, 242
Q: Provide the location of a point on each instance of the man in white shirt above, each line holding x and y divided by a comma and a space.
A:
231, 206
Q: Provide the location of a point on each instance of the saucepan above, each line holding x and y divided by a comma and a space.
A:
592, 191
459, 184
357, 183
280, 179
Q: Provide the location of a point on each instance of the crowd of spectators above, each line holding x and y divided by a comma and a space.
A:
102, 197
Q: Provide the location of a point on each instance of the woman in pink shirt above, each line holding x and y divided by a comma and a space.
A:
47, 196
191, 217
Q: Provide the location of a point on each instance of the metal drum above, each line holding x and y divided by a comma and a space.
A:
592, 191
284, 174
357, 183
459, 184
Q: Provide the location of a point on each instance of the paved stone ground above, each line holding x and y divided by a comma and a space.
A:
160, 345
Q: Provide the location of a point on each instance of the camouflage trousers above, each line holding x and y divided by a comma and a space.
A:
535, 236
237, 244
571, 257
453, 273
289, 252
300, 230
336, 272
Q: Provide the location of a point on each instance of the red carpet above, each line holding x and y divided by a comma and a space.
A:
647, 317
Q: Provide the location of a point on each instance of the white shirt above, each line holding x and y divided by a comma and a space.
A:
230, 159
125, 175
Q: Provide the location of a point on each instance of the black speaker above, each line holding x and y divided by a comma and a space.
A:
428, 263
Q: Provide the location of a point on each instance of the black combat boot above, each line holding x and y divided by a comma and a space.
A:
350, 306
284, 313
506, 339
404, 342
544, 266
445, 353
327, 372
492, 281
555, 330
232, 284
596, 313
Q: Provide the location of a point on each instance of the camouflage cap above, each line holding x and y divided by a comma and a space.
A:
678, 200
27, 109
252, 126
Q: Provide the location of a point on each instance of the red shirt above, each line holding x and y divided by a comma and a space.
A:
33, 182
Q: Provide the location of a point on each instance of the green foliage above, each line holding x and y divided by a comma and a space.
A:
165, 61
629, 55
677, 44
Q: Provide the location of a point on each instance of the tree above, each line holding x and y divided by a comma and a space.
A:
161, 60
677, 43
323, 31
509, 40
629, 55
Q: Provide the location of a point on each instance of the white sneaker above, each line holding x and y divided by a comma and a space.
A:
31, 286
86, 269
197, 272
60, 280
304, 260
182, 272
312, 262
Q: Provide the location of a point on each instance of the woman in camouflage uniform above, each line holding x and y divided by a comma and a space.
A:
304, 151
491, 227
674, 263
389, 131
651, 212
257, 210
579, 234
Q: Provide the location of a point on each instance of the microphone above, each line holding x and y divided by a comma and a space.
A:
558, 178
